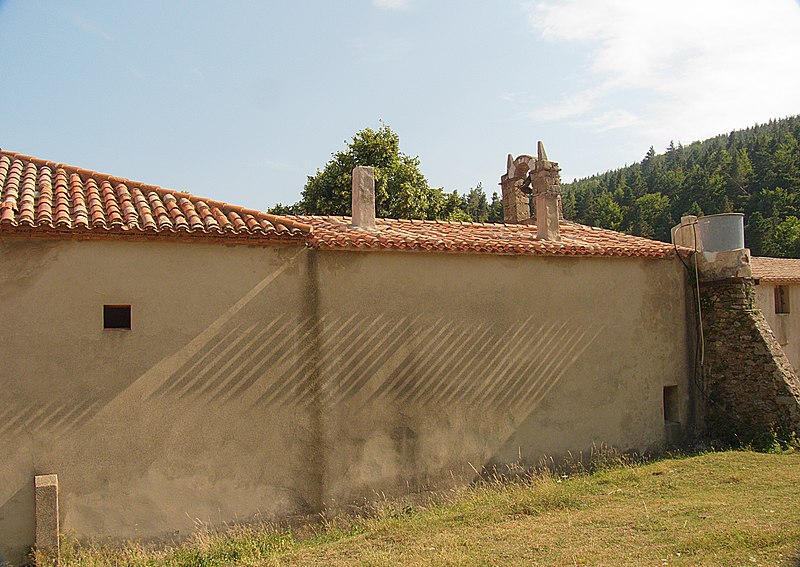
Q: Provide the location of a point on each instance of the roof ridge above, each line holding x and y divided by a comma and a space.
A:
161, 191
425, 221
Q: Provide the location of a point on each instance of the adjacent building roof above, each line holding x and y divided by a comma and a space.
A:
391, 234
776, 270
40, 197
43, 198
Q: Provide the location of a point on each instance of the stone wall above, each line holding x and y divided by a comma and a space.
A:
751, 386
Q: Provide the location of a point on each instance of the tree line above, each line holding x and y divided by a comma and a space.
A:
755, 171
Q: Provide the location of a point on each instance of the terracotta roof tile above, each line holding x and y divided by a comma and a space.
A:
52, 199
38, 196
777, 270
390, 234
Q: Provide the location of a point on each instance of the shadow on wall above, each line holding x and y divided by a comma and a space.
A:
410, 360
348, 361
62, 417
420, 360
16, 515
406, 359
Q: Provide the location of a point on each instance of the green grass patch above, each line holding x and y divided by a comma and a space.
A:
727, 508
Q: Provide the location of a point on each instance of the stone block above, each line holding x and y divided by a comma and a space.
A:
46, 495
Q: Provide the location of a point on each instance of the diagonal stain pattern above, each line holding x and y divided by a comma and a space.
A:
416, 360
419, 360
55, 416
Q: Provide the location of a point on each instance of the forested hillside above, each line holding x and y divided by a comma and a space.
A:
755, 171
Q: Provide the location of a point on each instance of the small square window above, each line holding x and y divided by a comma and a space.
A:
781, 299
117, 317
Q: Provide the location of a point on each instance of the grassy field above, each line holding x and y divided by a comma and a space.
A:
727, 508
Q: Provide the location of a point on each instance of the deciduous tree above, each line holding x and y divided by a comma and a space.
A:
401, 190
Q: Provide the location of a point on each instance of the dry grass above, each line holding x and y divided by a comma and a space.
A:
730, 508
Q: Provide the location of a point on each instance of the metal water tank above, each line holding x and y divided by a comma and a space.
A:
720, 233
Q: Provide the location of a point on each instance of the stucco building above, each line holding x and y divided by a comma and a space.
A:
173, 358
778, 297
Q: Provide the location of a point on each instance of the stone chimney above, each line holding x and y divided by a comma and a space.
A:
363, 197
546, 182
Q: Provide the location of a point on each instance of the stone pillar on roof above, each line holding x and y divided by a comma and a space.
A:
363, 197
546, 186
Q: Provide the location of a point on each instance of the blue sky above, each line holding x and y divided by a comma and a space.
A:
240, 101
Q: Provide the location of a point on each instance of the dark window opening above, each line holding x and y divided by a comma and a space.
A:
781, 299
117, 317
671, 406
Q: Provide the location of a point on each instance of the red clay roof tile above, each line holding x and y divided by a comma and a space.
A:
776, 270
473, 237
37, 196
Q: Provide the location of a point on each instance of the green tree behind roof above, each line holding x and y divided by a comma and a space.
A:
401, 190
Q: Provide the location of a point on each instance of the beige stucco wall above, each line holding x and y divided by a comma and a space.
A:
484, 359
278, 380
785, 326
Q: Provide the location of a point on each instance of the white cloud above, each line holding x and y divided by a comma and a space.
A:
569, 107
611, 120
685, 68
394, 5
